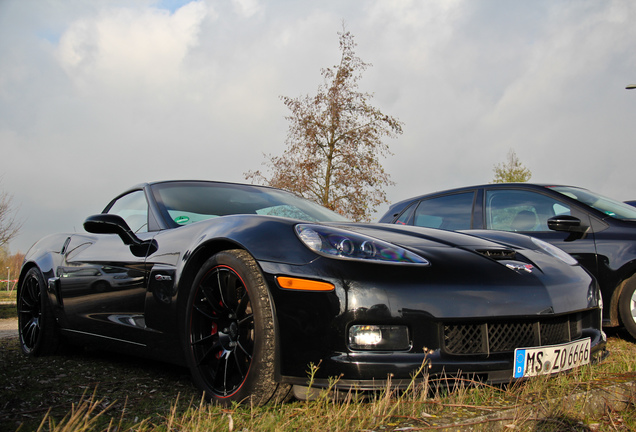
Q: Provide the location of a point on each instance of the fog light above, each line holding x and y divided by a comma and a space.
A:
379, 337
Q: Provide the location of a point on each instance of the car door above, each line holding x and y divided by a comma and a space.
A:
103, 281
529, 212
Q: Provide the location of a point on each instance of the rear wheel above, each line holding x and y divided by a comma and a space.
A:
36, 323
627, 307
230, 333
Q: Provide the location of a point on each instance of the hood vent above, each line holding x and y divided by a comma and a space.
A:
498, 254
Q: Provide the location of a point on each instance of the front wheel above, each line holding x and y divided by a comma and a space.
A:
230, 332
36, 323
627, 308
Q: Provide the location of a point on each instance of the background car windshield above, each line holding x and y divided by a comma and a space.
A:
189, 202
610, 207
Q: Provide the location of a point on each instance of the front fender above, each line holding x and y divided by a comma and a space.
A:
46, 254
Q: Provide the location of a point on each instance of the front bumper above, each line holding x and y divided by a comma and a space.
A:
377, 371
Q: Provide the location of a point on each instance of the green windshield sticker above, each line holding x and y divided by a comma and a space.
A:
181, 219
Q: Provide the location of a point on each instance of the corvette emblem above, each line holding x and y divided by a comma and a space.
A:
520, 267
160, 277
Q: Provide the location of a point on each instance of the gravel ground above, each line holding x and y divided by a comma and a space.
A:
8, 327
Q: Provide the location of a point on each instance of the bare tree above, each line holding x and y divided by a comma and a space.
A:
511, 171
335, 142
9, 226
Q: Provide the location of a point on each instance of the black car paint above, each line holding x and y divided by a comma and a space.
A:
604, 245
143, 312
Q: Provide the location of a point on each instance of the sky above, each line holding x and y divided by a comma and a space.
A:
97, 96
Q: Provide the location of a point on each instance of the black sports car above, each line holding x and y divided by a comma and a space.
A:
248, 286
599, 232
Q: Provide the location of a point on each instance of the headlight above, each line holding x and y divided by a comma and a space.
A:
343, 244
555, 252
379, 337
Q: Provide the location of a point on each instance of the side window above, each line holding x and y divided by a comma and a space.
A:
519, 210
405, 217
449, 212
133, 208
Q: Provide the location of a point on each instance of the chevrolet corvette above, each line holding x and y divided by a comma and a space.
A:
248, 286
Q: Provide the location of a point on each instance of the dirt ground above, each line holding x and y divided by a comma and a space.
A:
8, 327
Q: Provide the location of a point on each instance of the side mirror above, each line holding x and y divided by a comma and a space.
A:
566, 223
104, 223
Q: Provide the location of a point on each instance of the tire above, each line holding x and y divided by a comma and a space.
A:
230, 332
627, 308
37, 328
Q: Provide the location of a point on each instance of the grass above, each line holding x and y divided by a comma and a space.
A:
97, 391
8, 311
88, 390
7, 295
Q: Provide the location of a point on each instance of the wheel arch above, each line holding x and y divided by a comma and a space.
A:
615, 318
189, 272
196, 260
45, 266
24, 270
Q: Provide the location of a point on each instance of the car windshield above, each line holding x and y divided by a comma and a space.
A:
608, 206
188, 202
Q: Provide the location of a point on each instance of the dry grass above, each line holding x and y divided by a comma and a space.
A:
94, 391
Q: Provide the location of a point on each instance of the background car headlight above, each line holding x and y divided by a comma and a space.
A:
555, 251
343, 244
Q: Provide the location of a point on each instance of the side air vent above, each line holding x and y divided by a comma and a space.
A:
498, 254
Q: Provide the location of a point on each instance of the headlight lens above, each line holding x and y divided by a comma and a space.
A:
343, 244
555, 251
379, 337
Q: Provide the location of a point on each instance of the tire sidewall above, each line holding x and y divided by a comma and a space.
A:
624, 307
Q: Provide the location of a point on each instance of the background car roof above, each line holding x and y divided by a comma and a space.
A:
486, 185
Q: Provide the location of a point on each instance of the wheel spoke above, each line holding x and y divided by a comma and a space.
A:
246, 320
202, 340
221, 285
211, 300
210, 355
229, 286
242, 304
239, 367
247, 353
202, 308
31, 331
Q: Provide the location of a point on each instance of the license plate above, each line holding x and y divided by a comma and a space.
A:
551, 359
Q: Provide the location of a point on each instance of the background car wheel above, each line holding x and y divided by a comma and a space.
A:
230, 332
36, 323
627, 308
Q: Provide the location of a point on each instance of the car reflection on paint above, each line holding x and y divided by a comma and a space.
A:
99, 278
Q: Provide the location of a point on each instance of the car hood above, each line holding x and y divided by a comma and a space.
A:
418, 238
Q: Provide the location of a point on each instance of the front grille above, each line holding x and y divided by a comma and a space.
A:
500, 337
498, 254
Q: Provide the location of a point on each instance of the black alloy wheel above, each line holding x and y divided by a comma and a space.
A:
36, 324
230, 331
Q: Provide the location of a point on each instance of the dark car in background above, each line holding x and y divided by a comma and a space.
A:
248, 286
599, 232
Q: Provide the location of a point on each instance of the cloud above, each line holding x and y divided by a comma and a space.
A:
96, 96
127, 49
247, 8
